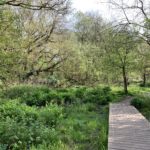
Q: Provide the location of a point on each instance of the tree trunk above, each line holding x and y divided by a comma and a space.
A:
144, 79
125, 81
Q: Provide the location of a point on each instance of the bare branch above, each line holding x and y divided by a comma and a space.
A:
52, 5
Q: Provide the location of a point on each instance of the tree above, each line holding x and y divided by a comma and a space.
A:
143, 56
40, 35
119, 53
43, 45
60, 6
89, 27
10, 36
90, 31
134, 14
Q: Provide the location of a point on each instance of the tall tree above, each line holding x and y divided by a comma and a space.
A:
119, 53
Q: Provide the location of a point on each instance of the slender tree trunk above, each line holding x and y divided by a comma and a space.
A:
125, 81
144, 78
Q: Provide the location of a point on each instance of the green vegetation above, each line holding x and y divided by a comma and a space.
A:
142, 100
57, 67
39, 117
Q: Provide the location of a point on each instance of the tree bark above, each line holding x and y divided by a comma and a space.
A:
144, 79
125, 81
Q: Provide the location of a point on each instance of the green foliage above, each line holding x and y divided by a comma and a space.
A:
41, 96
29, 94
50, 115
22, 125
56, 146
20, 91
98, 95
78, 123
138, 103
85, 126
9, 52
142, 101
80, 91
146, 85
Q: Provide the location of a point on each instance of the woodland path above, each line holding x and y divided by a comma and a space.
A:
128, 128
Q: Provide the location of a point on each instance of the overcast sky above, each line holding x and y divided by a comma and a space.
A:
104, 8
92, 5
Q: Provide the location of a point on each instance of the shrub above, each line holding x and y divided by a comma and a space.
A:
20, 91
17, 135
138, 103
41, 96
22, 125
30, 95
80, 91
98, 95
68, 98
35, 119
13, 109
106, 89
51, 115
146, 85
37, 98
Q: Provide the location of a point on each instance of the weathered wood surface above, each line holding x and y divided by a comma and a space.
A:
128, 129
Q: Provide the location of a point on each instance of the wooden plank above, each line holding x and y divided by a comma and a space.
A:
128, 129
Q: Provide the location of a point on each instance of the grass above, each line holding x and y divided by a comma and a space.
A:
48, 119
86, 125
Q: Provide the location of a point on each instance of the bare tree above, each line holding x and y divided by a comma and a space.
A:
136, 15
53, 5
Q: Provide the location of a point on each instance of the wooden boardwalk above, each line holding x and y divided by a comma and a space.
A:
128, 129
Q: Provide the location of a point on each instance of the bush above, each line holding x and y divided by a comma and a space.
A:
51, 115
36, 98
138, 103
17, 135
146, 85
22, 125
98, 95
41, 96
68, 98
33, 117
20, 91
30, 95
106, 89
80, 91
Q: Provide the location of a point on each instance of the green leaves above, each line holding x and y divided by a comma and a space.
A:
77, 123
21, 124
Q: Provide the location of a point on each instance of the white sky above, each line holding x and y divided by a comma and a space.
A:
92, 5
104, 8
